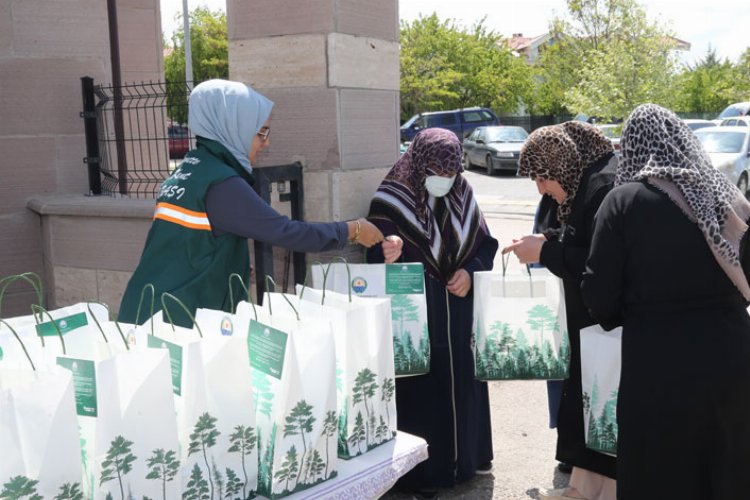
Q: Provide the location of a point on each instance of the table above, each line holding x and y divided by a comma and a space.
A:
372, 474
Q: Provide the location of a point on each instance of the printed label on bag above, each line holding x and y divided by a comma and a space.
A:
65, 325
404, 279
267, 347
175, 360
84, 384
519, 287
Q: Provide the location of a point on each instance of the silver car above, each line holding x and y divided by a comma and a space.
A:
729, 150
494, 148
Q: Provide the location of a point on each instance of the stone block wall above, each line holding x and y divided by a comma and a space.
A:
46, 46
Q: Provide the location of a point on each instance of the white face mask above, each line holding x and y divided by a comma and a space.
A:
438, 186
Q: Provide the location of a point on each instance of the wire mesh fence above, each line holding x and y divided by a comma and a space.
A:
140, 132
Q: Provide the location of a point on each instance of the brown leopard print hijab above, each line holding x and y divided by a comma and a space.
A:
561, 153
657, 146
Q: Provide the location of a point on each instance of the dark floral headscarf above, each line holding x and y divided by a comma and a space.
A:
658, 147
561, 153
446, 238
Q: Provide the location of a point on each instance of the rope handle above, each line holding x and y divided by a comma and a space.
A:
41, 311
99, 326
348, 275
168, 295
307, 275
232, 305
270, 311
30, 277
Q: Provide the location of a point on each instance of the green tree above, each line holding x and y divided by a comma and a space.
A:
300, 421
358, 433
541, 317
330, 426
288, 468
210, 54
364, 389
708, 86
316, 466
119, 461
403, 308
235, 486
388, 389
446, 66
69, 491
20, 487
197, 486
262, 393
164, 466
203, 437
243, 442
382, 431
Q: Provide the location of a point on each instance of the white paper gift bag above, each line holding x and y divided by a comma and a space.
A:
294, 379
211, 385
129, 443
519, 326
403, 283
365, 374
600, 383
39, 439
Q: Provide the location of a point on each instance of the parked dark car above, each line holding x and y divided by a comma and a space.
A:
494, 148
460, 121
179, 141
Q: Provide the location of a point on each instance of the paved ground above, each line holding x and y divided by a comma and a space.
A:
524, 445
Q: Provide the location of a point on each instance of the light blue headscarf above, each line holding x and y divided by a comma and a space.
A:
230, 113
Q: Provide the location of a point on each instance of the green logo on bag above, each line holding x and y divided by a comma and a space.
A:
65, 325
404, 279
359, 284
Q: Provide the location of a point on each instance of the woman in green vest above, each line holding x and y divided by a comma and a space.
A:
206, 209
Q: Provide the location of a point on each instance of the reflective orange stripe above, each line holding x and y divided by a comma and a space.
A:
182, 216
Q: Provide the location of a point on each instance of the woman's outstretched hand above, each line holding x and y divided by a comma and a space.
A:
364, 232
392, 246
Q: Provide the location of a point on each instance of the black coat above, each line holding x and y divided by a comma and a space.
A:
447, 407
566, 258
684, 395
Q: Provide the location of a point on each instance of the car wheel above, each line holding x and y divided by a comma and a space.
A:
742, 184
465, 161
490, 166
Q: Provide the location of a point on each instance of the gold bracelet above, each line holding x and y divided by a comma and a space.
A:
356, 232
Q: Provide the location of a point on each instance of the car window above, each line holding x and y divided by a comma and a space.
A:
506, 134
486, 115
721, 142
733, 110
474, 135
448, 119
473, 116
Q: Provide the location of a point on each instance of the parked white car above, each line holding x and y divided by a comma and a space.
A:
729, 150
739, 121
695, 123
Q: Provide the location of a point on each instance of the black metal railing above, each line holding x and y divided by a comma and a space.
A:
131, 142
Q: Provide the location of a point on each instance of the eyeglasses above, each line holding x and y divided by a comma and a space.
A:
264, 133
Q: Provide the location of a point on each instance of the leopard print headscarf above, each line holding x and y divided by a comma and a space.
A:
561, 153
657, 146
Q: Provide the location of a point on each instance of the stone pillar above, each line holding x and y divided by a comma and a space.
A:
45, 49
332, 68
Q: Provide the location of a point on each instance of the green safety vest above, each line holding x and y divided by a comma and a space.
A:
182, 256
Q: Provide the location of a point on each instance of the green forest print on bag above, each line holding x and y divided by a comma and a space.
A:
296, 438
403, 283
600, 381
520, 331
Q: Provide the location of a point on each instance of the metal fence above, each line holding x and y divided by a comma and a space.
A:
131, 143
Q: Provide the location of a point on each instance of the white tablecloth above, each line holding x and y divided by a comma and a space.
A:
372, 474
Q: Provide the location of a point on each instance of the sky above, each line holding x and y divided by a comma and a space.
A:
722, 24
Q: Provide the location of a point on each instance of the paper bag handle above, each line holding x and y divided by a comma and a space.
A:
232, 305
119, 330
168, 295
148, 286
39, 309
505, 258
307, 275
23, 346
30, 277
270, 310
348, 275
